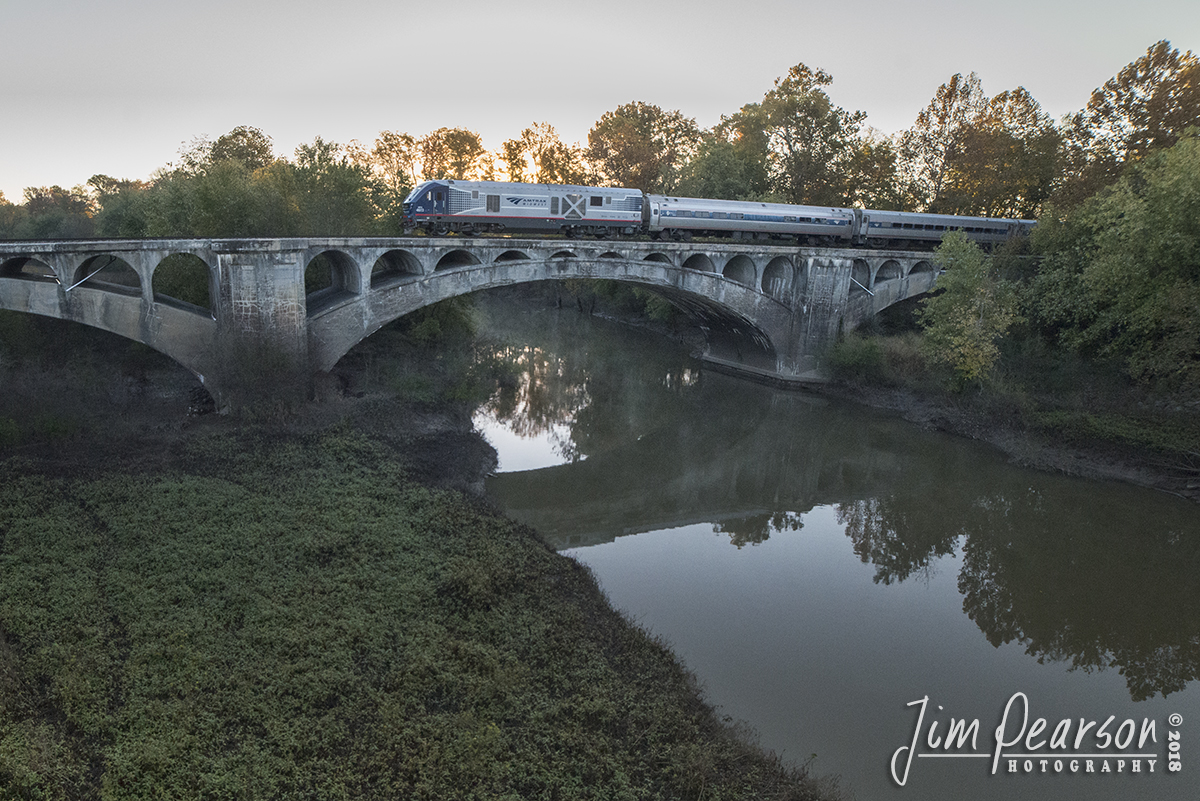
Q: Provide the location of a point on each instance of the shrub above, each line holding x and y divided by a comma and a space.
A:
857, 358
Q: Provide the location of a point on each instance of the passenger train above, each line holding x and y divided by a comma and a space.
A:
482, 207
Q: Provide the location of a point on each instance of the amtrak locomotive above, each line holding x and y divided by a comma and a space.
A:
480, 207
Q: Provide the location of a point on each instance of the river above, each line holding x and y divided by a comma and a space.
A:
823, 567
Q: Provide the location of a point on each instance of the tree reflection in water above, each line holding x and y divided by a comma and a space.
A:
1097, 576
546, 393
1072, 579
756, 529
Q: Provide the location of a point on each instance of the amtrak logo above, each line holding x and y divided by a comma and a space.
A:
525, 201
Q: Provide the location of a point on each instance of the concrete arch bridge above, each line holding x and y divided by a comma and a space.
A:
767, 310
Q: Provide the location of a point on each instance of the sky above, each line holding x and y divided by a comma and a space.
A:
120, 87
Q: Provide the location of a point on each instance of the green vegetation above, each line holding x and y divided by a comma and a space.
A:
1088, 334
279, 616
1121, 274
970, 311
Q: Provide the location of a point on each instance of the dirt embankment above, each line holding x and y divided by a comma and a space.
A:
1092, 459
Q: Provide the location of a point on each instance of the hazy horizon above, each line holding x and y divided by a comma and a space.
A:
118, 89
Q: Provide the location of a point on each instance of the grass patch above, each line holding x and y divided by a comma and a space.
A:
276, 617
894, 360
1170, 435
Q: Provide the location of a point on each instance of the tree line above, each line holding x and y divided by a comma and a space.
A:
1111, 273
1115, 186
965, 153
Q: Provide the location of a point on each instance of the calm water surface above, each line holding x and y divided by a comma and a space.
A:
820, 566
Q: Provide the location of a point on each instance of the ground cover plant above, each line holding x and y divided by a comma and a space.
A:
292, 616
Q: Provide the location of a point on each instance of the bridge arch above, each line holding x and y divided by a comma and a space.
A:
28, 268
699, 262
922, 267
662, 258
888, 271
731, 312
330, 277
394, 265
511, 255
457, 258
860, 273
107, 273
778, 278
185, 281
740, 268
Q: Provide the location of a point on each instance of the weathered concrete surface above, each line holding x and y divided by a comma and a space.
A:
771, 309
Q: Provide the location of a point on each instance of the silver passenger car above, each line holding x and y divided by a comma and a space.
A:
902, 228
682, 217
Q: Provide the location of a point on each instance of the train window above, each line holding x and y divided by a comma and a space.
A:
554, 205
704, 214
789, 219
429, 195
897, 225
474, 194
939, 228
736, 216
720, 215
597, 200
608, 201
439, 197
493, 203
908, 226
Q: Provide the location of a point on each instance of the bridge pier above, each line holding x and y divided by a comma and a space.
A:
822, 309
262, 342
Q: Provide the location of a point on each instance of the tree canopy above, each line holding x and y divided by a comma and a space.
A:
1121, 273
971, 311
640, 145
810, 140
540, 156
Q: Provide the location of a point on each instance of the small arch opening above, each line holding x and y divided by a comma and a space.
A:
659, 257
393, 266
921, 267
109, 273
741, 269
331, 277
861, 275
28, 268
611, 255
511, 255
777, 278
456, 258
888, 271
183, 280
563, 254
700, 262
